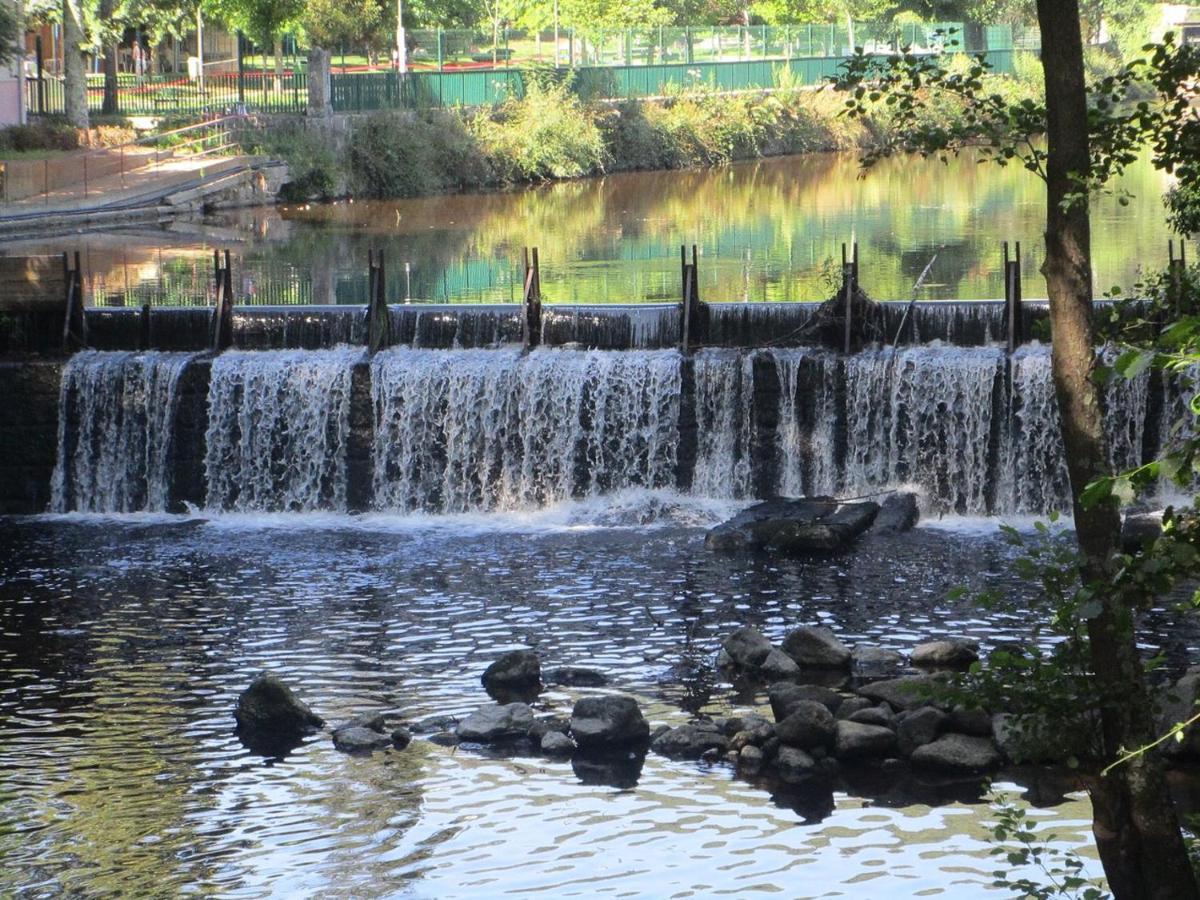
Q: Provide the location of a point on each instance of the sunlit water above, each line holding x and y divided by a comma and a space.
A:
769, 230
124, 642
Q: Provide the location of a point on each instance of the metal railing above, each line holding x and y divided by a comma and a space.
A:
87, 173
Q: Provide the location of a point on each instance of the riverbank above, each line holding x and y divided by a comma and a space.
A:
550, 134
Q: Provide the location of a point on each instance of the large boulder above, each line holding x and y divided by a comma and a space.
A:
603, 722
816, 647
958, 754
952, 653
495, 724
689, 741
270, 716
794, 527
515, 670
808, 725
785, 694
856, 741
907, 692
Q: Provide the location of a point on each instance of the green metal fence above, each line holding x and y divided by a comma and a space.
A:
458, 67
362, 92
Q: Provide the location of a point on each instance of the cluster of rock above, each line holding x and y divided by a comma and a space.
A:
811, 525
272, 720
890, 717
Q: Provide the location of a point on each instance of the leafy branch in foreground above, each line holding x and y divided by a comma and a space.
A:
1019, 842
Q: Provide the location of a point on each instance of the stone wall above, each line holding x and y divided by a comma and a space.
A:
28, 434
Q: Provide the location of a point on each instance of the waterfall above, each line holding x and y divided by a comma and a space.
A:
116, 412
724, 405
278, 429
975, 430
482, 430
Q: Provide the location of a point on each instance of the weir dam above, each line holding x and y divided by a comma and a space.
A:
454, 416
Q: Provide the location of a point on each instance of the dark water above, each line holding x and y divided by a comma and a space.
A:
768, 230
125, 641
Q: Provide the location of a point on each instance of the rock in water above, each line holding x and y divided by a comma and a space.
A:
951, 653
794, 527
517, 669
270, 716
960, 754
689, 741
808, 725
604, 722
357, 739
816, 647
855, 741
747, 647
898, 513
493, 724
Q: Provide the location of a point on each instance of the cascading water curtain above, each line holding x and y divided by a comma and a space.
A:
116, 411
476, 430
278, 430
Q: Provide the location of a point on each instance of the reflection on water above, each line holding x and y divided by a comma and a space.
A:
124, 643
766, 230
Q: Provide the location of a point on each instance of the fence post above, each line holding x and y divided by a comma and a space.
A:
75, 335
379, 324
1012, 298
441, 50
531, 319
144, 338
223, 312
847, 301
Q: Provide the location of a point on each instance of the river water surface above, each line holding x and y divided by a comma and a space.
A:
766, 230
124, 642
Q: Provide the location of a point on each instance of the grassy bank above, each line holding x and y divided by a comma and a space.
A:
552, 134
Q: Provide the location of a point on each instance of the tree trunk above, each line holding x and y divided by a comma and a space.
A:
111, 105
1135, 826
74, 68
278, 64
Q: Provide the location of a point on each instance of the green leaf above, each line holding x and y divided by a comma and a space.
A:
1096, 492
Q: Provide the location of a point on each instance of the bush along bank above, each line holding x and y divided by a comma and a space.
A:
550, 134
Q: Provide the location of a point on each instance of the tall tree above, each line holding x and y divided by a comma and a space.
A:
264, 21
1136, 829
1135, 826
75, 99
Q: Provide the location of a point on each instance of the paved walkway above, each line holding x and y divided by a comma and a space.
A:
144, 186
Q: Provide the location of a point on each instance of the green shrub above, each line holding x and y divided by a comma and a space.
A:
546, 134
406, 155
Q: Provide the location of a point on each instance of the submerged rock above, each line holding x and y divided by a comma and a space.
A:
515, 670
794, 527
689, 741
493, 724
401, 738
875, 662
357, 739
555, 743
951, 653
602, 722
575, 676
816, 647
793, 765
269, 716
